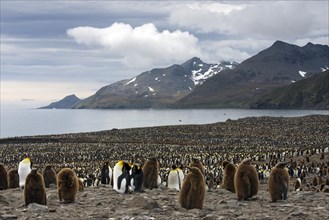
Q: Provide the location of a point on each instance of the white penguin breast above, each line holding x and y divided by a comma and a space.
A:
23, 170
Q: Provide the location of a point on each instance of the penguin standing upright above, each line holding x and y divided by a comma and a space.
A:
24, 168
246, 181
13, 178
49, 176
136, 178
192, 194
151, 178
278, 183
229, 172
121, 176
106, 174
67, 185
3, 177
34, 189
175, 178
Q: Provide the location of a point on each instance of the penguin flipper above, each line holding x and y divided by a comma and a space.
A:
120, 178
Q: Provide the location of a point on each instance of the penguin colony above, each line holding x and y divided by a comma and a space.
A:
130, 176
88, 155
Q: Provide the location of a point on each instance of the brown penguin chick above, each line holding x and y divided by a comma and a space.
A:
3, 177
278, 183
197, 163
34, 189
320, 180
151, 173
315, 181
193, 190
13, 178
322, 156
246, 180
298, 184
67, 185
229, 172
49, 175
81, 187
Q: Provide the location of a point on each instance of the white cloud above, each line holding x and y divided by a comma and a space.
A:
140, 46
274, 19
315, 40
232, 50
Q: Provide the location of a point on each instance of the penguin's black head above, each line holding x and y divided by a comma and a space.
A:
126, 166
137, 169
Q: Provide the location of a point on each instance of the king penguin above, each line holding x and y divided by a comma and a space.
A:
192, 194
278, 183
175, 178
121, 176
3, 177
106, 174
24, 168
136, 178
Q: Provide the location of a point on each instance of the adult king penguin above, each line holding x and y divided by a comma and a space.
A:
121, 176
24, 168
136, 178
175, 178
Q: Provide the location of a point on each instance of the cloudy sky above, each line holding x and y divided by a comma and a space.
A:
50, 49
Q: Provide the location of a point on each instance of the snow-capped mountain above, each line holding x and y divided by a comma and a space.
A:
157, 88
279, 65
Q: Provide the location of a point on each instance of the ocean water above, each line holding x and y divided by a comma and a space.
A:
26, 122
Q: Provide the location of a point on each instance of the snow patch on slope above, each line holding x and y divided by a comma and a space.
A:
324, 69
132, 80
302, 73
198, 77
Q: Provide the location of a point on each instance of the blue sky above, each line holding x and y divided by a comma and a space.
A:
50, 49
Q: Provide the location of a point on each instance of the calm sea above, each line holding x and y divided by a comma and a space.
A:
25, 122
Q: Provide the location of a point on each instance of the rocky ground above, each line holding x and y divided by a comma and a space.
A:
104, 203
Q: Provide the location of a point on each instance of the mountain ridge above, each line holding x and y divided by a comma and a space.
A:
67, 102
309, 93
279, 65
156, 88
